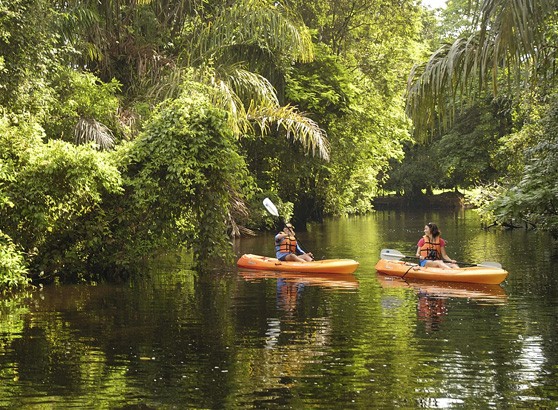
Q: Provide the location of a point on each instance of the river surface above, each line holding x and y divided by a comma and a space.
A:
239, 339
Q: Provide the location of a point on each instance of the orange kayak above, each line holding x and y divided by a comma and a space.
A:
249, 261
474, 274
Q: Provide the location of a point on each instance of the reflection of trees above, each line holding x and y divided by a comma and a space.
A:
218, 341
295, 338
13, 308
110, 345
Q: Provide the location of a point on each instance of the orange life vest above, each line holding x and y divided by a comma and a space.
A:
431, 250
288, 244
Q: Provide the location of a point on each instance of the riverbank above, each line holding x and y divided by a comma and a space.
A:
445, 200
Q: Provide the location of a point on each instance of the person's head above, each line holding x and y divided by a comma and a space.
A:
431, 229
288, 227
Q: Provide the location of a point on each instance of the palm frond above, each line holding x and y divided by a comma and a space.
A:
255, 22
510, 36
90, 130
247, 85
296, 125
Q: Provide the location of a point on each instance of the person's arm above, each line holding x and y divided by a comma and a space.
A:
280, 236
445, 255
301, 252
419, 245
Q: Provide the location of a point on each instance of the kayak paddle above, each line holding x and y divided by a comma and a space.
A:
392, 254
270, 206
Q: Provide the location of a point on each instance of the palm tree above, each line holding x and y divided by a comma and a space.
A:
240, 49
513, 43
242, 53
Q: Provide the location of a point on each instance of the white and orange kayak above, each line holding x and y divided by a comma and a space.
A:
474, 274
343, 266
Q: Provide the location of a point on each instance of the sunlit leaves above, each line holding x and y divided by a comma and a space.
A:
182, 176
506, 49
253, 22
297, 126
534, 198
13, 269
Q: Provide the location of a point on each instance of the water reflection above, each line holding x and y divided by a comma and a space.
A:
230, 339
432, 297
325, 280
493, 294
298, 333
291, 285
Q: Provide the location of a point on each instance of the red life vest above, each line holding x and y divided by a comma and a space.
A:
288, 244
431, 249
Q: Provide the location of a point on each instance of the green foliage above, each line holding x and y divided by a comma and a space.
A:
534, 198
80, 95
466, 154
181, 176
511, 48
52, 207
13, 270
266, 29
27, 52
323, 86
119, 39
366, 141
18, 135
364, 127
183, 182
419, 170
464, 157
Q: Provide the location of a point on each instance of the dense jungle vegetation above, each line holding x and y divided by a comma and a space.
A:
131, 126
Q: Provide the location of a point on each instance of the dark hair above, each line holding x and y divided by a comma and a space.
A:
434, 229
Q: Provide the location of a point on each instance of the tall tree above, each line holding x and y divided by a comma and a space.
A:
509, 49
239, 49
511, 44
354, 89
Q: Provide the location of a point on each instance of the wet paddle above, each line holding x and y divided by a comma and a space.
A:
392, 254
272, 209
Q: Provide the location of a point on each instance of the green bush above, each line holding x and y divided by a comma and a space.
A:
51, 198
13, 271
533, 197
77, 95
181, 175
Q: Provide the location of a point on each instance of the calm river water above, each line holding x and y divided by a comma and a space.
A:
231, 339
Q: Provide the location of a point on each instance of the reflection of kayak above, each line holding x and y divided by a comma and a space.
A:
249, 261
328, 280
474, 274
474, 291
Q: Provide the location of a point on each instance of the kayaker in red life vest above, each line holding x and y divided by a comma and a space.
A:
431, 249
286, 247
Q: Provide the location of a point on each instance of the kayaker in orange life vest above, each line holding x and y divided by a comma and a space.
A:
286, 248
431, 249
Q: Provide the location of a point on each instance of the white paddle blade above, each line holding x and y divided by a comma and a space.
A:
391, 254
490, 264
270, 206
